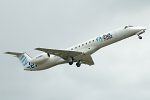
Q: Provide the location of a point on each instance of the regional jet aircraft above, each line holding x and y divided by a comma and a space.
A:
81, 53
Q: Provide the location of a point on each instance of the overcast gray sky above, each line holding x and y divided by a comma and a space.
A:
121, 70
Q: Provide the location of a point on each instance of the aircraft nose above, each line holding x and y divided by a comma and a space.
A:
142, 28
138, 29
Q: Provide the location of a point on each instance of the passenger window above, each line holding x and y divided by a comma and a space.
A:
79, 45
89, 41
93, 40
82, 44
86, 43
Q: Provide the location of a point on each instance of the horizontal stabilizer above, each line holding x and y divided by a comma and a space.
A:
14, 53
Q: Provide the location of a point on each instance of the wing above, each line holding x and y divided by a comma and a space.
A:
87, 59
61, 53
77, 55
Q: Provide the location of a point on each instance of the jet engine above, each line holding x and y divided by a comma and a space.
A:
39, 59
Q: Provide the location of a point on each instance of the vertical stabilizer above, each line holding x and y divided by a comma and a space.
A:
23, 57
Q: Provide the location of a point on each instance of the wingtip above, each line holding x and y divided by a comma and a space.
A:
6, 52
40, 49
13, 53
37, 48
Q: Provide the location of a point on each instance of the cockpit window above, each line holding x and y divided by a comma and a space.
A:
125, 27
128, 26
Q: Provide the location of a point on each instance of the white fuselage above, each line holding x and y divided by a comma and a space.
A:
91, 46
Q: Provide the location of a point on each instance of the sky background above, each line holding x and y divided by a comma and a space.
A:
121, 70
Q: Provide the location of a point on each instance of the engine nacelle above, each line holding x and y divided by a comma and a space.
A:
39, 59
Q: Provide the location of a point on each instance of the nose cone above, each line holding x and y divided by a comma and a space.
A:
141, 28
137, 29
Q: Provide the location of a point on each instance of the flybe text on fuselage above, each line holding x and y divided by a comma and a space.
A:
104, 37
25, 62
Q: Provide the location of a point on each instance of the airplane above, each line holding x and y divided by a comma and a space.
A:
81, 53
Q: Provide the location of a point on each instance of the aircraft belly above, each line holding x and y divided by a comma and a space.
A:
55, 60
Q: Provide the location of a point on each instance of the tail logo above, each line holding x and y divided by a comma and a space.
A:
24, 60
